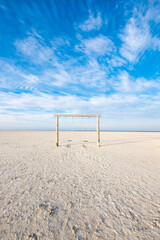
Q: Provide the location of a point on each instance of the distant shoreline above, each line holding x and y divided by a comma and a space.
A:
70, 130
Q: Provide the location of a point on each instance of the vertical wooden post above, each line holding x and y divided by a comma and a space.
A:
57, 131
98, 132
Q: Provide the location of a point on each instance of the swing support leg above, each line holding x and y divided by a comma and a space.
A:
98, 132
57, 131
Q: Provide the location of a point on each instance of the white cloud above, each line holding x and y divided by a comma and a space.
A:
33, 50
92, 74
137, 36
65, 73
31, 79
153, 12
143, 84
57, 77
125, 83
44, 102
116, 61
52, 71
16, 78
13, 77
136, 39
99, 46
35, 111
92, 23
156, 43
38, 101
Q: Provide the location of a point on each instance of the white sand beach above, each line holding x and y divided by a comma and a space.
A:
77, 190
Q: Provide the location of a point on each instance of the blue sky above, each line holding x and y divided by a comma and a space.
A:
80, 57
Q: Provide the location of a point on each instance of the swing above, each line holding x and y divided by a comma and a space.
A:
86, 141
70, 140
82, 116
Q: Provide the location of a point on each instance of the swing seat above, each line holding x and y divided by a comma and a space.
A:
85, 141
69, 140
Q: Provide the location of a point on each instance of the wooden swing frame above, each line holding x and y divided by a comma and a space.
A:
77, 115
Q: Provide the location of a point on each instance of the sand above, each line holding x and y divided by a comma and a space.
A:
79, 191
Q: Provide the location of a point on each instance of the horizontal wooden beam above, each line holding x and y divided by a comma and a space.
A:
77, 115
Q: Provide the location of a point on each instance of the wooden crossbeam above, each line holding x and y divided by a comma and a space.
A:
77, 115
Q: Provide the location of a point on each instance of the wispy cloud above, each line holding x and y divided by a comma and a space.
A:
13, 77
34, 51
116, 61
56, 77
136, 39
60, 73
91, 75
126, 83
153, 12
92, 23
156, 43
116, 104
99, 45
137, 36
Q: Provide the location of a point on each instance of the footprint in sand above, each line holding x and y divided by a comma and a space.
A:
75, 229
156, 223
68, 145
33, 236
84, 146
52, 210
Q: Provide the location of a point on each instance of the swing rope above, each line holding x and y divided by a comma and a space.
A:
70, 140
87, 131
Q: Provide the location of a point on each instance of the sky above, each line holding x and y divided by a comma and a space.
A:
83, 56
